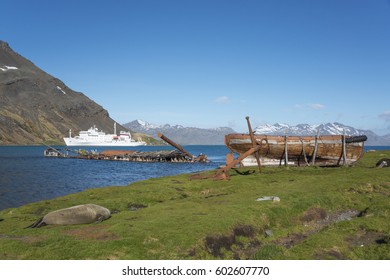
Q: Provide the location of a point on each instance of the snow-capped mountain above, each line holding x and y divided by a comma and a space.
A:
306, 129
323, 129
198, 136
182, 135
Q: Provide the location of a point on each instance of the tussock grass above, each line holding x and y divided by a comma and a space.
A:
324, 213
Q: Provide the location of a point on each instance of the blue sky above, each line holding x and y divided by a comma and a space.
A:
210, 63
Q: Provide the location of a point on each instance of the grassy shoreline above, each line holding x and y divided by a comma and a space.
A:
323, 213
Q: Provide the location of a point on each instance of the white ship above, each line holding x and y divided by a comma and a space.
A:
94, 137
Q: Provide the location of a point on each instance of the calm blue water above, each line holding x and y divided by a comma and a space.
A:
27, 176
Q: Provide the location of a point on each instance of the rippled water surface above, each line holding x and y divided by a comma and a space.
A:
27, 176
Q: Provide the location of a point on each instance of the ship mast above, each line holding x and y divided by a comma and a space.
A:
115, 128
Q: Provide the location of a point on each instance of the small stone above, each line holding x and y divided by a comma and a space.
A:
265, 198
269, 233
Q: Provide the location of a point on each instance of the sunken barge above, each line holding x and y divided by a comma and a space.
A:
179, 155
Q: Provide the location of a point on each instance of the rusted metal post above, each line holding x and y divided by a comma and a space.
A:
286, 149
344, 150
304, 153
313, 161
254, 143
177, 146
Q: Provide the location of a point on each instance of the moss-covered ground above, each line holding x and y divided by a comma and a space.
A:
323, 213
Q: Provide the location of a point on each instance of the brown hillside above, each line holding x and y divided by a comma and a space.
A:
36, 107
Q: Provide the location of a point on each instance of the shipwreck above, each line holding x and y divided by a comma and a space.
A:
318, 150
274, 150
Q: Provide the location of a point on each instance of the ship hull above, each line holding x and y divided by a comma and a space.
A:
94, 137
325, 150
77, 142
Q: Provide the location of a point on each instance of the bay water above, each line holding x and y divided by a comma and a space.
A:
27, 176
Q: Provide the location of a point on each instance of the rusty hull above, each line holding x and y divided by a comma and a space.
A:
300, 149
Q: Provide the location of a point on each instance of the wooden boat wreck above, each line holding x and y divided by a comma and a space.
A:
320, 150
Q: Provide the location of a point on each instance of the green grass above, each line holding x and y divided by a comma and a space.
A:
178, 218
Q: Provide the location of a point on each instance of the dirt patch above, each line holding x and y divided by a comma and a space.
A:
24, 238
317, 220
364, 238
314, 214
243, 243
244, 230
292, 239
135, 206
91, 232
320, 216
341, 216
216, 244
332, 254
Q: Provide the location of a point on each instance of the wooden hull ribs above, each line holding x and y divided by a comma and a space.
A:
320, 150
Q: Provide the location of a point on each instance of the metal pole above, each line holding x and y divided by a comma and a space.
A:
344, 150
285, 149
315, 147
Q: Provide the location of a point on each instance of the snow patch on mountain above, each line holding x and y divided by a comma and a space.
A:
6, 68
60, 89
144, 124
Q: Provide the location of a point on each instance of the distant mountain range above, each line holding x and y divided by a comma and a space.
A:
182, 135
198, 136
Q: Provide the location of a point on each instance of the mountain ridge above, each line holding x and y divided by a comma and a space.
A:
182, 135
36, 107
193, 135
